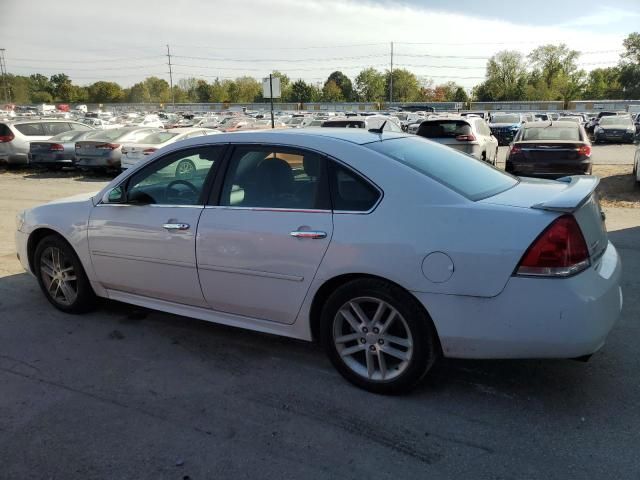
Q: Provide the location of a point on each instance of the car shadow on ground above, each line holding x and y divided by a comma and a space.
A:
77, 175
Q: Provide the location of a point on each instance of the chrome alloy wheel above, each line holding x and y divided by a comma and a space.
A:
372, 338
58, 275
185, 168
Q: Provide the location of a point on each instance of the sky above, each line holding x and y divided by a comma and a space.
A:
444, 40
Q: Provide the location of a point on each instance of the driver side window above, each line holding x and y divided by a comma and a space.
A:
176, 179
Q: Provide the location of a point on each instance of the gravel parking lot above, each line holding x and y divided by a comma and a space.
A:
131, 393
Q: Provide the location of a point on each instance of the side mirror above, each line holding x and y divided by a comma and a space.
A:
115, 195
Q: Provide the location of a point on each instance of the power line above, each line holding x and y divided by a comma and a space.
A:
3, 73
17, 59
274, 60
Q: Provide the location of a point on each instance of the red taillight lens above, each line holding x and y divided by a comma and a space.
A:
515, 150
107, 146
560, 251
148, 151
56, 147
466, 138
585, 150
7, 138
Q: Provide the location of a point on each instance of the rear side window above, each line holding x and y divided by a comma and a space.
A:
31, 129
444, 129
5, 131
471, 178
349, 191
55, 128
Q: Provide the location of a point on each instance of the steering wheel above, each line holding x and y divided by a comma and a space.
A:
172, 193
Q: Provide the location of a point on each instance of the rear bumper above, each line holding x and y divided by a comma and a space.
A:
49, 160
554, 169
96, 162
604, 137
533, 317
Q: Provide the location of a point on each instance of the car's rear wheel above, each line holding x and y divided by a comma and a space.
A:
378, 336
62, 277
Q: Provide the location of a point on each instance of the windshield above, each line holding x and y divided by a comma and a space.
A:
474, 179
505, 118
552, 132
617, 121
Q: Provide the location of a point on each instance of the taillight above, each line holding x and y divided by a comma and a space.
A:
466, 138
56, 147
515, 150
148, 151
7, 138
107, 146
559, 251
585, 150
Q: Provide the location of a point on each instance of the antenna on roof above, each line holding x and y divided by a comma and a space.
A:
378, 130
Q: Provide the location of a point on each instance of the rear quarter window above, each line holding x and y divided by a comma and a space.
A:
471, 178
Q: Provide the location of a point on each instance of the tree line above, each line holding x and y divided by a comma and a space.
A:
550, 72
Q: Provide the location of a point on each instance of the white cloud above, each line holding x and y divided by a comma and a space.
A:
108, 40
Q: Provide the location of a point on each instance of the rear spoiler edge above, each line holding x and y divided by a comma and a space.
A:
578, 191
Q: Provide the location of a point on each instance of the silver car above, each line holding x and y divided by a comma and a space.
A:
105, 150
15, 136
60, 150
470, 135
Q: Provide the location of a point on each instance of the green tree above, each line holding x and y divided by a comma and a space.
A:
370, 85
219, 91
40, 83
202, 91
331, 92
603, 83
460, 95
139, 93
244, 90
630, 66
506, 78
556, 67
301, 92
406, 87
41, 97
187, 87
285, 86
19, 88
343, 83
105, 92
159, 89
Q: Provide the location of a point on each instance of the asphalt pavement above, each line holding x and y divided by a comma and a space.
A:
127, 393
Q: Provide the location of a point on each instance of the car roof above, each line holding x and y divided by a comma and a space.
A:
357, 136
555, 123
26, 120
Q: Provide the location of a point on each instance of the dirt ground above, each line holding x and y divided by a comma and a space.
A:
617, 186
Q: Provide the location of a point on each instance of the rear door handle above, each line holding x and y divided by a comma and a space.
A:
176, 226
308, 234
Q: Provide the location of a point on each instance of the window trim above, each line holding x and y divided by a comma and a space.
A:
213, 200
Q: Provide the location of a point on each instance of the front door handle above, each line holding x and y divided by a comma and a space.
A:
308, 234
176, 226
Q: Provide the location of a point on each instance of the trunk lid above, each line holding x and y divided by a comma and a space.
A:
575, 195
536, 151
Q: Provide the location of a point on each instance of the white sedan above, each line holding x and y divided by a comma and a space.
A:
388, 248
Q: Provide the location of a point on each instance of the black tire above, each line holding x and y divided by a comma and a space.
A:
425, 346
85, 299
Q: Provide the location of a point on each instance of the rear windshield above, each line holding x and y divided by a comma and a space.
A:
158, 137
474, 179
505, 119
68, 136
345, 124
444, 129
555, 132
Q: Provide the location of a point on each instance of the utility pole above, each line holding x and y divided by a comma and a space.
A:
3, 73
173, 101
391, 77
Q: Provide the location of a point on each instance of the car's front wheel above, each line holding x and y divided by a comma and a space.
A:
378, 336
61, 276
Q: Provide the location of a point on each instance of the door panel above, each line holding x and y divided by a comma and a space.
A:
249, 262
250, 265
132, 252
147, 244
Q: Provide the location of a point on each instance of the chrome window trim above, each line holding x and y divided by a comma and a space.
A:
155, 205
267, 209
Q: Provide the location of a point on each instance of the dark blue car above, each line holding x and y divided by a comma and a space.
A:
504, 126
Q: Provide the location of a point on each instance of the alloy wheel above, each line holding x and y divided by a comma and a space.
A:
59, 276
372, 338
